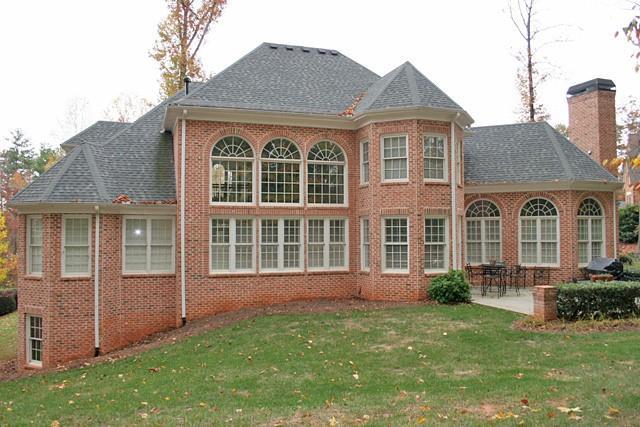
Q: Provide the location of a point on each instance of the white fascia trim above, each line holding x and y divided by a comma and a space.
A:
541, 186
89, 208
172, 113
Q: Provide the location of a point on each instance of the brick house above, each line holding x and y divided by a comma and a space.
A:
295, 173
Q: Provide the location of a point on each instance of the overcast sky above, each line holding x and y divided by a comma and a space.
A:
56, 51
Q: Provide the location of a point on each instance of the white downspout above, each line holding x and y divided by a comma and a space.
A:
183, 177
615, 226
96, 285
454, 217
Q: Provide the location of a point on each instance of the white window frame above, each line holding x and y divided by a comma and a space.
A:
327, 244
589, 242
254, 193
445, 167
383, 245
363, 163
382, 158
29, 246
446, 244
365, 244
89, 219
29, 340
345, 177
232, 245
301, 175
280, 268
539, 241
148, 219
483, 241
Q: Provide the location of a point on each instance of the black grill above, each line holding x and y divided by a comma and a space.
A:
603, 265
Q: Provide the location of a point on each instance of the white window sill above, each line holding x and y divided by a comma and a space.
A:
398, 272
435, 181
439, 271
231, 204
281, 205
232, 273
394, 181
148, 273
328, 270
34, 365
327, 205
287, 271
75, 276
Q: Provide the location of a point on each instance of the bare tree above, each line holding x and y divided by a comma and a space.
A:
530, 76
126, 108
76, 117
632, 32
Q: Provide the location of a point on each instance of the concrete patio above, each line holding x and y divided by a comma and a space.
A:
522, 303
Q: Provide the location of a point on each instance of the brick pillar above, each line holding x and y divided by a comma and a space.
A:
545, 302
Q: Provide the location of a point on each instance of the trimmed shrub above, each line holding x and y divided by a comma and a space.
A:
626, 259
7, 305
450, 288
628, 224
586, 300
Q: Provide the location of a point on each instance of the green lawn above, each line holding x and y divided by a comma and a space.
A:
8, 331
414, 365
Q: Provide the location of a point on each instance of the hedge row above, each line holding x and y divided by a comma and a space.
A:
587, 300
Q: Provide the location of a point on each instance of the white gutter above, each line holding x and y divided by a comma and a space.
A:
96, 285
454, 217
183, 177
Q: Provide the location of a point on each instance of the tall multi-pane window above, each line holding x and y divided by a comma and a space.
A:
364, 162
395, 232
394, 158
327, 244
325, 174
34, 245
539, 233
76, 232
434, 158
232, 171
280, 172
280, 244
436, 244
232, 245
365, 245
34, 340
148, 245
590, 231
483, 232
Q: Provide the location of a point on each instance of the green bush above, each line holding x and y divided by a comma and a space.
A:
627, 259
7, 305
450, 288
588, 300
628, 228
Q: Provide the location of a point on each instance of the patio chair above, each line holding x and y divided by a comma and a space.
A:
493, 276
541, 276
472, 273
517, 277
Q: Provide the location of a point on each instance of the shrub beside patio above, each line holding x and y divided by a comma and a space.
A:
587, 300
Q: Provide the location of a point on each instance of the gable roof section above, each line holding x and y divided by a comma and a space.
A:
404, 87
527, 153
98, 132
284, 78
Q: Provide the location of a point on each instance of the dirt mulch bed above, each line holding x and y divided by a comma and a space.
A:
9, 371
580, 326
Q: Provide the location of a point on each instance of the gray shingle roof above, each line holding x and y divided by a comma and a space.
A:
526, 152
98, 132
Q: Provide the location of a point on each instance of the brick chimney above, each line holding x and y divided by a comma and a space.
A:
592, 118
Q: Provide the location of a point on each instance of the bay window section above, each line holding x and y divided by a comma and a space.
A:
326, 174
281, 244
434, 158
232, 171
76, 234
327, 244
280, 179
365, 245
590, 231
149, 246
232, 245
395, 242
34, 245
539, 233
394, 158
436, 244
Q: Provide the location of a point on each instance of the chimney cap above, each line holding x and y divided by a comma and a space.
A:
591, 85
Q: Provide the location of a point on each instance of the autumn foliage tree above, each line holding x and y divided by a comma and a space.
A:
180, 36
632, 33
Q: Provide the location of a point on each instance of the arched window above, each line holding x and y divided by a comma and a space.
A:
483, 232
232, 171
590, 231
539, 231
325, 174
280, 172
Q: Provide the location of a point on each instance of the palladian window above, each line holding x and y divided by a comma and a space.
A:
326, 177
232, 171
483, 232
280, 172
539, 231
590, 231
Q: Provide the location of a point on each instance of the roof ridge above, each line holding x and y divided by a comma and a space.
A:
410, 70
556, 146
391, 75
93, 168
63, 169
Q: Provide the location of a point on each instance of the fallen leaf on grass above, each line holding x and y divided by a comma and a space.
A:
612, 413
421, 420
566, 410
519, 375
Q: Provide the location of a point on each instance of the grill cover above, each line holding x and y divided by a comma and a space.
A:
602, 265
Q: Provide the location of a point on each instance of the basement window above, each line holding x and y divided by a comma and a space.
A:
34, 340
